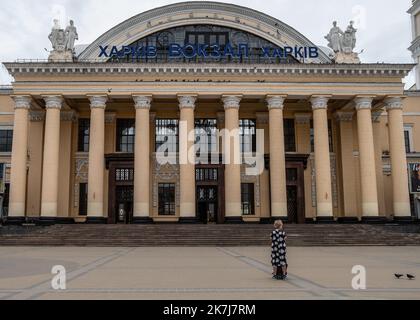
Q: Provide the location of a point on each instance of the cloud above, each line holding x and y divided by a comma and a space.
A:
384, 26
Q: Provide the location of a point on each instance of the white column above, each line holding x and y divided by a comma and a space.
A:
233, 167
142, 158
96, 157
370, 206
277, 157
187, 157
322, 157
17, 204
50, 173
401, 197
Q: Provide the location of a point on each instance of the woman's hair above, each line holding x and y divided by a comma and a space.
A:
278, 224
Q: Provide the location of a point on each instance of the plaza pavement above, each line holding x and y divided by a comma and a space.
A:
206, 273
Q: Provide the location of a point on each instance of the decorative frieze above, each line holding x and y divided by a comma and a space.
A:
69, 116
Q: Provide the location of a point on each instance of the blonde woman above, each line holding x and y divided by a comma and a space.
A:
278, 251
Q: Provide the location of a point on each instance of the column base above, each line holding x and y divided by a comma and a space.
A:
97, 220
14, 221
265, 221
375, 220
234, 220
325, 220
348, 220
50, 221
405, 220
189, 220
142, 220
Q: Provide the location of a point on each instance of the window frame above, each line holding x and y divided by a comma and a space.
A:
289, 135
82, 144
173, 124
126, 124
408, 128
8, 146
242, 135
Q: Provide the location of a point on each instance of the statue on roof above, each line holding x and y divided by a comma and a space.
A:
62, 42
343, 43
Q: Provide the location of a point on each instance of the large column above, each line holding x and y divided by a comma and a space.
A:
142, 159
19, 158
96, 159
322, 158
370, 206
49, 198
348, 181
400, 190
233, 167
277, 157
187, 158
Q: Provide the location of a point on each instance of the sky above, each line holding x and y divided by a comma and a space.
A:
384, 27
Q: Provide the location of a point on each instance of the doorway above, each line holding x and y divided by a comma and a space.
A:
207, 204
124, 204
210, 192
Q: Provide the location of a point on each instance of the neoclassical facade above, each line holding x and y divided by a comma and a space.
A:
81, 139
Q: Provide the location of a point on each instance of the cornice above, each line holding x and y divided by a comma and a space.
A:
325, 70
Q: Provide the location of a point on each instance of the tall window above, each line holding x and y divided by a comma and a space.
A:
83, 199
125, 135
289, 135
167, 203
247, 192
84, 135
206, 136
6, 140
167, 134
330, 136
408, 138
248, 135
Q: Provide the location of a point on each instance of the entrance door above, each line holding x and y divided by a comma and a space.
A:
207, 204
124, 204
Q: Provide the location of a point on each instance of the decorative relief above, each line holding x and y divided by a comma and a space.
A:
363, 103
82, 169
22, 102
393, 103
231, 102
275, 102
165, 173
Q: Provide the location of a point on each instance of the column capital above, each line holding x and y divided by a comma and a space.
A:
303, 118
363, 103
22, 102
98, 101
393, 103
187, 101
69, 116
37, 116
344, 116
231, 101
53, 102
320, 102
142, 101
276, 102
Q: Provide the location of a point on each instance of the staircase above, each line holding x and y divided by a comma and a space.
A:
208, 235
